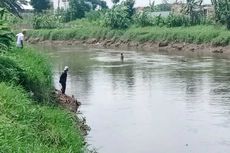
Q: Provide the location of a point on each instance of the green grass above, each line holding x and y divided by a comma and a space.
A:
28, 127
81, 30
36, 72
35, 124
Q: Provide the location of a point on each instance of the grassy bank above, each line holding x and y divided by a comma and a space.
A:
32, 122
82, 30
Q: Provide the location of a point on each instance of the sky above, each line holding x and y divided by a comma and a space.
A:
146, 2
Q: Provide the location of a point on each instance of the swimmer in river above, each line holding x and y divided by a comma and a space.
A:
122, 57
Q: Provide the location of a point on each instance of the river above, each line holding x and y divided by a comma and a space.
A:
151, 102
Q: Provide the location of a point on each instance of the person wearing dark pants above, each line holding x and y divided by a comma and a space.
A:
63, 79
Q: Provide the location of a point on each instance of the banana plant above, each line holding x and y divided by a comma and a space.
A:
12, 6
193, 8
222, 11
6, 37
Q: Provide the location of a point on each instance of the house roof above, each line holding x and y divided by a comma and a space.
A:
27, 6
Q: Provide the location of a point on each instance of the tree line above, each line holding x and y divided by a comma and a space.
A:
124, 11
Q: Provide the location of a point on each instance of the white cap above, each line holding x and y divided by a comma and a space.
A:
66, 68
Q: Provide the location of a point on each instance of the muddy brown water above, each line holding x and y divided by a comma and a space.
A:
151, 102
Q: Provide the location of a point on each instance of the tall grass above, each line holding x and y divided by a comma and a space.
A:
33, 124
28, 127
10, 71
36, 72
215, 35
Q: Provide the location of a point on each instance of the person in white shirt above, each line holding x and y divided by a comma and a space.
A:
20, 39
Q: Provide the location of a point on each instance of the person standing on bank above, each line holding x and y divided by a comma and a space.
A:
63, 79
20, 39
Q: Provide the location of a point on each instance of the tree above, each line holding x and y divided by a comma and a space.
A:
103, 5
193, 9
222, 11
6, 36
40, 5
120, 16
164, 6
117, 17
10, 5
96, 3
76, 10
115, 1
152, 5
130, 5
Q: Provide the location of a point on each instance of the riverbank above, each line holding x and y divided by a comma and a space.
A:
31, 119
214, 39
169, 47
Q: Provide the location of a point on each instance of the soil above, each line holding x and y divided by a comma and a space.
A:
72, 104
68, 102
164, 46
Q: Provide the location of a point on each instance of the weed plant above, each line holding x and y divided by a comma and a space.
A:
28, 127
215, 35
11, 72
37, 75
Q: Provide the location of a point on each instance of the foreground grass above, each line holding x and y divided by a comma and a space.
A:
32, 124
29, 127
36, 70
82, 30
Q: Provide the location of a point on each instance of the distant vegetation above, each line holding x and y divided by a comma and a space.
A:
217, 36
93, 19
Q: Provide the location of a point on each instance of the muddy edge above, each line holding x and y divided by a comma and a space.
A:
170, 47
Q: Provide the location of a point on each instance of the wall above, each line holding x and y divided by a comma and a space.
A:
64, 4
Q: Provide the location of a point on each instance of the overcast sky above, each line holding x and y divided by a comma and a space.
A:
146, 2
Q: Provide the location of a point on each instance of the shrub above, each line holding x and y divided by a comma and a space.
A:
6, 37
46, 21
118, 17
177, 20
143, 19
222, 40
76, 10
11, 72
93, 15
38, 76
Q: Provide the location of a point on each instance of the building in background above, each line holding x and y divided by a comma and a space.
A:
60, 4
26, 7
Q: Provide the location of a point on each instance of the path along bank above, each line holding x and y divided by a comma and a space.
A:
31, 120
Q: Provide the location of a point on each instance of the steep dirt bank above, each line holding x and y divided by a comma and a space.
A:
66, 101
72, 104
149, 46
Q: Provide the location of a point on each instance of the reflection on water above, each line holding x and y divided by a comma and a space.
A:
150, 103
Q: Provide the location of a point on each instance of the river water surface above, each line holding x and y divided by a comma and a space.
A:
150, 102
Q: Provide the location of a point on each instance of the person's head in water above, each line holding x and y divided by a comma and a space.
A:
66, 68
122, 56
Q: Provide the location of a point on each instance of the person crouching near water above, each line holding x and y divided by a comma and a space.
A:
20, 39
63, 79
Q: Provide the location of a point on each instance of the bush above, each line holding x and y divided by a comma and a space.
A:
46, 21
143, 19
11, 72
36, 72
6, 37
76, 10
118, 17
177, 20
93, 15
222, 40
